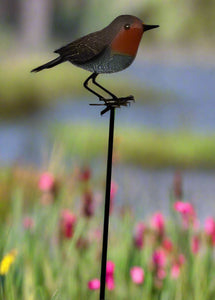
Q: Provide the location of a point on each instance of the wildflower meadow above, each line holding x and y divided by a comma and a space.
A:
51, 236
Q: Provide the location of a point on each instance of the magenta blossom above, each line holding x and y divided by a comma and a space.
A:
181, 259
158, 223
161, 273
110, 268
167, 245
110, 282
94, 284
137, 275
110, 275
67, 223
88, 207
209, 227
159, 263
175, 271
159, 258
113, 191
185, 208
187, 212
195, 244
139, 235
46, 182
176, 267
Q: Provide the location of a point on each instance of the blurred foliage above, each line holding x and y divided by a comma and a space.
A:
24, 92
146, 148
52, 264
185, 21
11, 179
181, 21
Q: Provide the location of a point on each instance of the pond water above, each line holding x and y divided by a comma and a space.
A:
192, 109
148, 191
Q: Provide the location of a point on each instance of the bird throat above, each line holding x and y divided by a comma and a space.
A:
127, 41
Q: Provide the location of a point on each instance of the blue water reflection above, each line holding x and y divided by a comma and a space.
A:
191, 108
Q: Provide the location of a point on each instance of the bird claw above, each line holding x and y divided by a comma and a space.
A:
114, 103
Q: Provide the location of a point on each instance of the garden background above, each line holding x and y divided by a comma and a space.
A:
53, 148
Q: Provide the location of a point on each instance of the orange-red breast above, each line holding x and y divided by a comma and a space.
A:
109, 50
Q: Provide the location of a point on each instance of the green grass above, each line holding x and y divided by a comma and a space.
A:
50, 266
145, 148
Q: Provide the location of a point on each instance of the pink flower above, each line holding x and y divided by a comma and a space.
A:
110, 275
195, 244
167, 245
159, 258
110, 268
138, 235
176, 267
137, 275
157, 223
94, 284
210, 229
175, 271
28, 223
67, 223
110, 282
88, 204
46, 182
187, 212
185, 208
161, 273
113, 191
159, 263
181, 259
209, 226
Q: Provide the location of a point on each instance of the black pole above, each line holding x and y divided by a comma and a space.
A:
107, 204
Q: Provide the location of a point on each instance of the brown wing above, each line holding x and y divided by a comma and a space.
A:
85, 48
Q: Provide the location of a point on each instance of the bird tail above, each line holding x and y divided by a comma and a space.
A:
49, 64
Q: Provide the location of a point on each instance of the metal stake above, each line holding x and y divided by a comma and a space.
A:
107, 204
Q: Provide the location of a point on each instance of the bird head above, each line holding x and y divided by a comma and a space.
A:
128, 31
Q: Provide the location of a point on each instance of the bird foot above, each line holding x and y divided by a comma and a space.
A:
114, 103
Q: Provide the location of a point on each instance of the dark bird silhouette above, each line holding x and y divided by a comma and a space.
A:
109, 50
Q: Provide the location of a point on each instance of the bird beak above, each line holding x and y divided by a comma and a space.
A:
149, 27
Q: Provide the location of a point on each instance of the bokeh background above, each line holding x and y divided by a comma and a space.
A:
46, 121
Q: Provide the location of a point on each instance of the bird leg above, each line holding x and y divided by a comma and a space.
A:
114, 101
89, 89
101, 87
93, 78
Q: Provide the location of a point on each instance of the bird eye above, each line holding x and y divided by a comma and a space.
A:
127, 26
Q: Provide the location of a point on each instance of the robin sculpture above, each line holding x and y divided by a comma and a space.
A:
109, 50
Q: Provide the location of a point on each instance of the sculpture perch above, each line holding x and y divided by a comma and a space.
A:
109, 50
